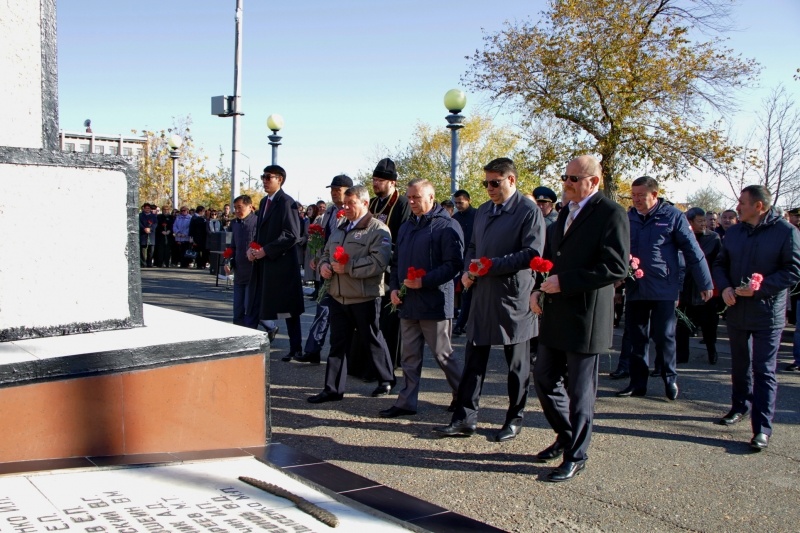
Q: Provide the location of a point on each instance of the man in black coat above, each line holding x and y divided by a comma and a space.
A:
589, 247
276, 274
198, 232
465, 216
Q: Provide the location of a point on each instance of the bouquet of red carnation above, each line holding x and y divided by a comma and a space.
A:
255, 246
634, 272
478, 268
339, 214
341, 257
753, 282
228, 253
316, 238
412, 274
543, 267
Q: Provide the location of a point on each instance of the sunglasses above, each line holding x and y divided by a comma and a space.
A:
574, 179
494, 183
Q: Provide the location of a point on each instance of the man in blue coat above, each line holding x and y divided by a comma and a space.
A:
762, 247
658, 232
432, 241
509, 230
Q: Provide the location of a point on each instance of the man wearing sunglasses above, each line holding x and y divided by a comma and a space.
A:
276, 273
509, 230
588, 246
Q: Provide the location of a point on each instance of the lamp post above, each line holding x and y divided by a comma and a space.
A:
174, 144
275, 123
454, 100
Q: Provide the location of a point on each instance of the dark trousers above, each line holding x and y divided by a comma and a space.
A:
146, 255
390, 327
754, 356
345, 320
656, 319
706, 318
569, 410
240, 315
319, 328
469, 390
162, 253
463, 315
295, 333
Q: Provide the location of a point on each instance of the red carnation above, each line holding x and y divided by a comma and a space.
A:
255, 246
315, 229
228, 253
340, 256
340, 213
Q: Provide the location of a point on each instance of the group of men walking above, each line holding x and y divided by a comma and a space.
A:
389, 267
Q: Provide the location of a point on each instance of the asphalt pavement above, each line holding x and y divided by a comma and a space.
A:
654, 465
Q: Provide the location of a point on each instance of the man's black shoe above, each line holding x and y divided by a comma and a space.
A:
458, 331
554, 451
456, 429
566, 471
733, 417
619, 374
291, 355
271, 333
394, 412
325, 396
382, 390
760, 442
308, 357
508, 432
713, 358
671, 391
794, 367
631, 391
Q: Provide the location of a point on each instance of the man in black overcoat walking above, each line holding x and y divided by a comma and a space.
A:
589, 246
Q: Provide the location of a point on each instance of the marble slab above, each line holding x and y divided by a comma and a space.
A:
185, 497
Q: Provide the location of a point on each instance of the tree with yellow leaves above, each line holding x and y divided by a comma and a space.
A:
624, 79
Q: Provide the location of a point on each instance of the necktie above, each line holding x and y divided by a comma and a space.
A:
573, 212
266, 207
496, 209
350, 226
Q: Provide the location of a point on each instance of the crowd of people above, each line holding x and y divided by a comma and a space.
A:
546, 280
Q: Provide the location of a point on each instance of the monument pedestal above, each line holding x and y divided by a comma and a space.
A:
179, 383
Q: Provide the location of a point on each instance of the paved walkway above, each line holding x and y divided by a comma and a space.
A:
655, 465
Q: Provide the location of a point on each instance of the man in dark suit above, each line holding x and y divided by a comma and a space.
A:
588, 246
276, 275
465, 216
509, 230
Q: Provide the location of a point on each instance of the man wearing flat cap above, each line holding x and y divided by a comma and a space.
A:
546, 200
319, 328
391, 208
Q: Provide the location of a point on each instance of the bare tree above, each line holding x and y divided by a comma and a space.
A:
779, 121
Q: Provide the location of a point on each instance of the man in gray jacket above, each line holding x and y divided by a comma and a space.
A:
355, 285
509, 231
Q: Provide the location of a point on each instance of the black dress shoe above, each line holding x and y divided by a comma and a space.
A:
619, 374
566, 471
713, 358
271, 333
671, 391
760, 442
733, 417
394, 412
456, 429
631, 391
382, 390
554, 451
308, 357
794, 367
508, 432
325, 396
291, 355
458, 331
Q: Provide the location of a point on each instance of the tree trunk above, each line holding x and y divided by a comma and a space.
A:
608, 165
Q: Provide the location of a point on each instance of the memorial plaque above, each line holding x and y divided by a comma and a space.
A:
204, 496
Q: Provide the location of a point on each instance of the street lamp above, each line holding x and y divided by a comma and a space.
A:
454, 100
174, 143
275, 123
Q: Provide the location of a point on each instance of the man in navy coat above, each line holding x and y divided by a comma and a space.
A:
588, 245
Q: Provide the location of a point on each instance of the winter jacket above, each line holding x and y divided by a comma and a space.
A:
772, 249
710, 244
369, 245
435, 244
655, 241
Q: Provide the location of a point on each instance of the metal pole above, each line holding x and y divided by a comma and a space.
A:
237, 86
454, 123
174, 154
274, 141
